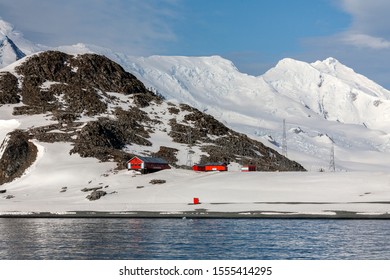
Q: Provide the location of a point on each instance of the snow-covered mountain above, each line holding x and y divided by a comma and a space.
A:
9, 52
324, 103
13, 45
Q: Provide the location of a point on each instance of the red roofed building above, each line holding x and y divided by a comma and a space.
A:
211, 166
147, 164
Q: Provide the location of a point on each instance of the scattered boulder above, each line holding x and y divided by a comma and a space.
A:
3, 191
91, 189
95, 195
157, 181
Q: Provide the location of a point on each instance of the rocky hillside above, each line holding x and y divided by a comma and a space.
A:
18, 154
107, 113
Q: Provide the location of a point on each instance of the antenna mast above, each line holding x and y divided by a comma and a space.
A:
284, 140
189, 151
332, 165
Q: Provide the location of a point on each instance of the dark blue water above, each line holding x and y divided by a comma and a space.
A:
193, 239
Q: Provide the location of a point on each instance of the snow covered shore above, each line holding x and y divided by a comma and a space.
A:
225, 194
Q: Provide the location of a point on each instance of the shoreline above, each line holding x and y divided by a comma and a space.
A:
196, 215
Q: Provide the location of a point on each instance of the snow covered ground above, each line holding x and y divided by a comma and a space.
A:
268, 193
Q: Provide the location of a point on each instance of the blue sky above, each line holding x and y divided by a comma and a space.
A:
254, 34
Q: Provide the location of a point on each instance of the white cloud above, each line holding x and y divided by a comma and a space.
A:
363, 45
370, 23
363, 40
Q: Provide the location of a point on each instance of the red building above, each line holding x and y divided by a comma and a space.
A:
147, 164
211, 166
248, 168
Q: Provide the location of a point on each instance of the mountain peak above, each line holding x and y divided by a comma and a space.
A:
331, 61
332, 66
5, 28
9, 52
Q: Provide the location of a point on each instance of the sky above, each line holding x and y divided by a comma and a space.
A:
254, 34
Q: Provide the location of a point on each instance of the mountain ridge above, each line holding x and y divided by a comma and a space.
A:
105, 112
320, 98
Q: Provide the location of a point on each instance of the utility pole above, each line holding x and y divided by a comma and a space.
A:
284, 140
332, 165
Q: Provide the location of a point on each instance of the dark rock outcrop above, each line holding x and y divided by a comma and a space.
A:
18, 155
105, 138
226, 145
55, 81
95, 195
167, 153
9, 89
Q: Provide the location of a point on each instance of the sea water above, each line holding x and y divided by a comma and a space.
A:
194, 239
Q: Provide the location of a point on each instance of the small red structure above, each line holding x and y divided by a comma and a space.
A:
248, 168
147, 164
199, 167
211, 166
196, 200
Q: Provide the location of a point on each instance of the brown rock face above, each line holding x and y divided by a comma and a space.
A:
88, 70
224, 144
8, 89
18, 154
76, 82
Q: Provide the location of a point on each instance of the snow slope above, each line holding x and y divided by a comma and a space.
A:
315, 193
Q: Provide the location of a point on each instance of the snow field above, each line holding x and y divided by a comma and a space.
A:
307, 192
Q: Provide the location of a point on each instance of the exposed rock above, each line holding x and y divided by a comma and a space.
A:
3, 191
18, 155
226, 145
46, 134
157, 181
87, 70
95, 195
143, 100
173, 110
130, 122
206, 123
167, 153
76, 82
91, 189
8, 89
104, 139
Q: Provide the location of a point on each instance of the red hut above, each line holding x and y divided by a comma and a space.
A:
248, 168
147, 164
211, 166
199, 167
